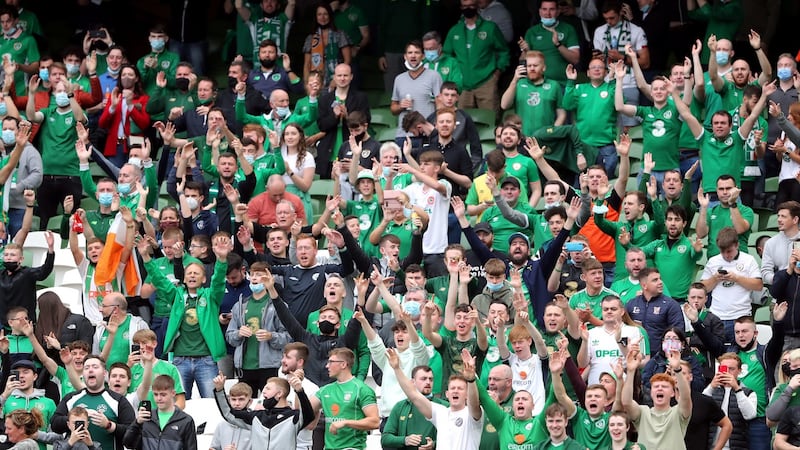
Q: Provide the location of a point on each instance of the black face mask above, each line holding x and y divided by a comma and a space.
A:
99, 46
182, 84
269, 403
786, 368
794, 372
326, 327
267, 63
470, 13
360, 137
746, 347
11, 266
232, 82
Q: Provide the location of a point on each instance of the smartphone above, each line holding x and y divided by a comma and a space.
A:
722, 271
80, 424
623, 341
573, 246
723, 369
99, 34
14, 375
146, 404
391, 199
136, 348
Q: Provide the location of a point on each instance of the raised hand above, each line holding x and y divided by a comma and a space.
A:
755, 39
572, 74
393, 358
623, 145
532, 146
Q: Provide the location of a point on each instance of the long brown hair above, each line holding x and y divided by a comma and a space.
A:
301, 144
52, 316
29, 421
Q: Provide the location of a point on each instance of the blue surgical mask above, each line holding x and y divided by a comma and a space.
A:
44, 74
62, 99
407, 212
8, 137
250, 158
283, 111
124, 188
157, 44
431, 55
3, 109
113, 72
73, 69
105, 198
386, 171
11, 31
784, 73
548, 21
644, 8
412, 308
494, 287
255, 288
722, 57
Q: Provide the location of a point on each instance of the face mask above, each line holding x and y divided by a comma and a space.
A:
44, 74
124, 188
786, 368
360, 137
192, 203
73, 69
113, 71
551, 205
412, 308
11, 265
469, 13
548, 21
168, 224
748, 346
99, 46
135, 162
62, 99
256, 287
232, 81
407, 212
267, 63
269, 403
250, 158
204, 102
784, 73
128, 83
645, 8
412, 68
722, 57
282, 111
386, 172
3, 109
494, 287
182, 84
11, 31
157, 44
326, 327
431, 55
105, 198
8, 137
794, 372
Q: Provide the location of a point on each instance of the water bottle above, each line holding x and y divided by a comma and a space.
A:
408, 97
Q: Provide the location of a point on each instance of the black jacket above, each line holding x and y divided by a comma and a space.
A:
786, 288
178, 434
18, 288
328, 122
319, 346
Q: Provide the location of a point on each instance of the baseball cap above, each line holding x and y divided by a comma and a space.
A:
510, 179
483, 226
519, 235
25, 364
365, 174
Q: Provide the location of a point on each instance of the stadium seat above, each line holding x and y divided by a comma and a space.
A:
762, 315
751, 241
386, 135
72, 279
64, 262
378, 99
383, 118
485, 117
771, 184
37, 245
764, 333
486, 133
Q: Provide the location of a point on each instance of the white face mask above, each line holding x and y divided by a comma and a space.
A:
134, 161
412, 68
192, 203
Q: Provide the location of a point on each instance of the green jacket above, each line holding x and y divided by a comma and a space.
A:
487, 51
162, 100
406, 419
303, 119
448, 68
167, 63
208, 304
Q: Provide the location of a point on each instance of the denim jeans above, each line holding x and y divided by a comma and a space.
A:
759, 436
200, 369
607, 157
15, 216
730, 336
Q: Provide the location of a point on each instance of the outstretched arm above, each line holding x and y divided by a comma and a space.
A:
413, 395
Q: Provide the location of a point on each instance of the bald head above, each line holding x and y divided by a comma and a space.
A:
500, 378
278, 97
342, 76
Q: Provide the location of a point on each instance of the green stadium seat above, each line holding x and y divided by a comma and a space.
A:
751, 241
485, 117
382, 117
635, 133
378, 99
771, 224
486, 133
762, 315
771, 184
386, 135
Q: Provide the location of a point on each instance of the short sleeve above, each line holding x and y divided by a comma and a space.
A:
367, 397
308, 161
753, 271
786, 425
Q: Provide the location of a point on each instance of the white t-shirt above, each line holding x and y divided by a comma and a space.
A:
789, 167
457, 430
604, 350
527, 376
291, 163
437, 206
305, 438
730, 300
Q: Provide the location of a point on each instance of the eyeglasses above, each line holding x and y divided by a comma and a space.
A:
109, 306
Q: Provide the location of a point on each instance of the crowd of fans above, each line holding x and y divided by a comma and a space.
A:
590, 309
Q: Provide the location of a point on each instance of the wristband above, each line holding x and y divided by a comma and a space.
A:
678, 370
108, 427
734, 206
558, 45
471, 380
